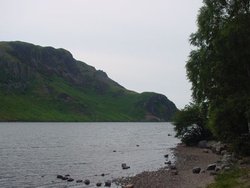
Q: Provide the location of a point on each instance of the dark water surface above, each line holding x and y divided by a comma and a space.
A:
32, 154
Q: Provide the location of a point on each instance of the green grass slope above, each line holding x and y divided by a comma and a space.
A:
46, 84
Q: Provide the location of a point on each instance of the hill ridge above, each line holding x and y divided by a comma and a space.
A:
47, 84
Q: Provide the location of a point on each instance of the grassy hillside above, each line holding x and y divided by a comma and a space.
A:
47, 84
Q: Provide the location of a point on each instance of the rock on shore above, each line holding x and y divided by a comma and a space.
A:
187, 159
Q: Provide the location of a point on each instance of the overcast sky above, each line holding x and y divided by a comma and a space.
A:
141, 44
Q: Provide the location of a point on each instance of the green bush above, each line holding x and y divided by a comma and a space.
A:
228, 119
194, 135
190, 125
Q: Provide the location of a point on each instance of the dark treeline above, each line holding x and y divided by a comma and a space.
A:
219, 71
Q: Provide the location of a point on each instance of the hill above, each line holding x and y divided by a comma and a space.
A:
47, 84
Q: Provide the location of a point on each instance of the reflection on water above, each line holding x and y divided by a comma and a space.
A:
32, 154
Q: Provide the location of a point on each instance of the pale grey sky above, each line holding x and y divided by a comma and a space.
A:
141, 44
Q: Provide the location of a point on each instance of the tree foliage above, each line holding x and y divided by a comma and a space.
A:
190, 124
219, 66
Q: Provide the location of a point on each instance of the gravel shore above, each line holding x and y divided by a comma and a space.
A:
182, 177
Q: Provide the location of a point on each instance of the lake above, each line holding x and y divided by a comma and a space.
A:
32, 154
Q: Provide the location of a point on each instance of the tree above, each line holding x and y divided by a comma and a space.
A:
190, 124
219, 66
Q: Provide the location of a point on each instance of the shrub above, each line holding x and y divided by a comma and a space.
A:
190, 125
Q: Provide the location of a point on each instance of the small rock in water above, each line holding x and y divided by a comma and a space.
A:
107, 183
79, 181
114, 151
59, 177
98, 184
137, 145
102, 174
168, 162
65, 178
169, 135
166, 156
124, 166
70, 179
87, 182
67, 175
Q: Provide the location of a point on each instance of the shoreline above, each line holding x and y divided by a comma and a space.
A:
182, 177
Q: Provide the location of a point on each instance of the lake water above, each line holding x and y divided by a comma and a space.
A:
32, 154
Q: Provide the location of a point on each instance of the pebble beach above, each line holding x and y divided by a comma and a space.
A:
181, 175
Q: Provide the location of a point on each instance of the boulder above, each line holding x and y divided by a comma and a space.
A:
166, 156
196, 170
79, 181
228, 159
211, 167
218, 147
